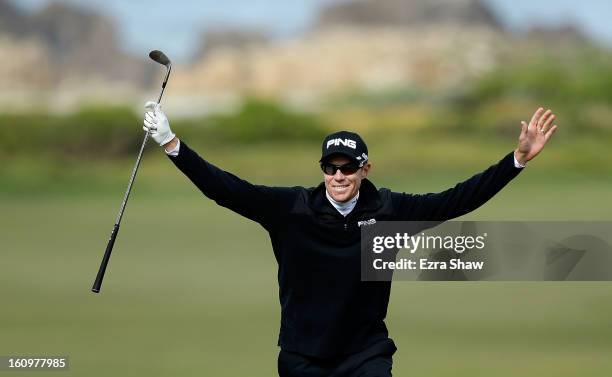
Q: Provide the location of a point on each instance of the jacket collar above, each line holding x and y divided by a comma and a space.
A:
369, 199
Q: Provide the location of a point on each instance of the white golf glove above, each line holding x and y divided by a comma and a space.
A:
156, 123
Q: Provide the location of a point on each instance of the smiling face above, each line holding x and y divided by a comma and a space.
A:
341, 187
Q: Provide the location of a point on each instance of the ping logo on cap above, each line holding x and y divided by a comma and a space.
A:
346, 142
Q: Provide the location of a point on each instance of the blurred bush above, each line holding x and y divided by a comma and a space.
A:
585, 77
87, 132
115, 131
265, 121
577, 87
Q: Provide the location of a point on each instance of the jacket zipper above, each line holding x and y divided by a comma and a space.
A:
346, 221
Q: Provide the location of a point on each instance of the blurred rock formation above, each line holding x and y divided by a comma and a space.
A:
230, 38
408, 13
359, 45
62, 45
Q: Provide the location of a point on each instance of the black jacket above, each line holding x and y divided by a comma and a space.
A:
327, 311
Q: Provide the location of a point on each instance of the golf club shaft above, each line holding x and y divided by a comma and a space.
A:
164, 83
111, 242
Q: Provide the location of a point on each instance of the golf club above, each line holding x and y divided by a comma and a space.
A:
160, 58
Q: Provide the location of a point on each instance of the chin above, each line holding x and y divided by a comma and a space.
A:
343, 197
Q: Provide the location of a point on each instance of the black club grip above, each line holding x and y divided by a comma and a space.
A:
109, 249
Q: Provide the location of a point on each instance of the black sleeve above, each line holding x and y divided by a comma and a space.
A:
459, 200
265, 205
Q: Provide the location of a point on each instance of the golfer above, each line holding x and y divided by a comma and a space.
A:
332, 323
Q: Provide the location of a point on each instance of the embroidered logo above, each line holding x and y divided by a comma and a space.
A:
346, 142
366, 222
362, 159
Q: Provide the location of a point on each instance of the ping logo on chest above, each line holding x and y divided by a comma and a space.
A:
346, 142
366, 222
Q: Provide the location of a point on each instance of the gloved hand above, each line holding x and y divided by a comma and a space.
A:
156, 123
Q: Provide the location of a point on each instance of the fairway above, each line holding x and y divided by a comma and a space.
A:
200, 296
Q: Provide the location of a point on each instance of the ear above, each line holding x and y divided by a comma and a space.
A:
365, 170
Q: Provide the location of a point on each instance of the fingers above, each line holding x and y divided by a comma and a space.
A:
543, 117
542, 120
150, 105
150, 117
536, 116
149, 128
153, 107
548, 122
550, 132
150, 122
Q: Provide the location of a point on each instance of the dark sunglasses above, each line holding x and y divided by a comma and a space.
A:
346, 169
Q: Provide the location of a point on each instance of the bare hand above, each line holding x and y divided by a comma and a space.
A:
535, 135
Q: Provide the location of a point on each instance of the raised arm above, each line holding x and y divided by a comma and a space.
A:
474, 192
265, 205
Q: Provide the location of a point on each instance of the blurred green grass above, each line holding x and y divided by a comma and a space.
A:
412, 162
191, 290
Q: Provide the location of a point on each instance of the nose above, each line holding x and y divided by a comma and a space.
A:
338, 176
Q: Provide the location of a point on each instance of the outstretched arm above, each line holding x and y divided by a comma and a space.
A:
265, 205
474, 192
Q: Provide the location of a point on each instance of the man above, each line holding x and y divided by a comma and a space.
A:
332, 323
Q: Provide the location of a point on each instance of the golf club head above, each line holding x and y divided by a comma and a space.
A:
159, 57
